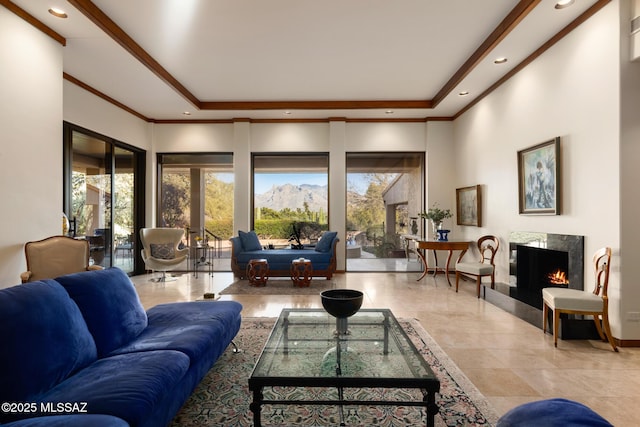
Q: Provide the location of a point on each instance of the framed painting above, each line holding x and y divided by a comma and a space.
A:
468, 204
539, 179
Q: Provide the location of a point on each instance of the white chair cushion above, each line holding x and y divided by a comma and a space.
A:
571, 299
477, 268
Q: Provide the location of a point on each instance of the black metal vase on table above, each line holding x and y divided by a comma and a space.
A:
341, 304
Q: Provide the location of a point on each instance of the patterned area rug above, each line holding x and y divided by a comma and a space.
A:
278, 286
223, 397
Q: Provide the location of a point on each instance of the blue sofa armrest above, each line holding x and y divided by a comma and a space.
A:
236, 245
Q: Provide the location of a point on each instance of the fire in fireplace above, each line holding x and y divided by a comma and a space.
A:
558, 278
537, 268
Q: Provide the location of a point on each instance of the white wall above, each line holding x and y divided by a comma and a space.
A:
571, 91
87, 110
30, 141
441, 171
629, 174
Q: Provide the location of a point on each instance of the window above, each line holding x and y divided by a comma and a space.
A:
290, 197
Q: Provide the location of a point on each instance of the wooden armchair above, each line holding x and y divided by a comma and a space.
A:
488, 246
56, 256
574, 301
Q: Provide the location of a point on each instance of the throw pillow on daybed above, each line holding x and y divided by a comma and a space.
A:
324, 244
250, 241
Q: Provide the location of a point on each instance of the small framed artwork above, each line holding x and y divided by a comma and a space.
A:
468, 204
539, 179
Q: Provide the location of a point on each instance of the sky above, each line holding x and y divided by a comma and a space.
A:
265, 181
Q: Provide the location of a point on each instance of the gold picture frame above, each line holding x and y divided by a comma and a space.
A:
468, 206
539, 179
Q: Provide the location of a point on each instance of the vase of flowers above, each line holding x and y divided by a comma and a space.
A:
437, 217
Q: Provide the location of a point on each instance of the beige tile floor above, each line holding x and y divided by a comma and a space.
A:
509, 360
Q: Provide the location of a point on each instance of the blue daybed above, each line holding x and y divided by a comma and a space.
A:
246, 246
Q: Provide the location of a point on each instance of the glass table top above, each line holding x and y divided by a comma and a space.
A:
305, 345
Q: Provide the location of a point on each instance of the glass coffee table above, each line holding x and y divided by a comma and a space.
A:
305, 350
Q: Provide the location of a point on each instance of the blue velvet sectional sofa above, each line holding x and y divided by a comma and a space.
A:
246, 246
81, 351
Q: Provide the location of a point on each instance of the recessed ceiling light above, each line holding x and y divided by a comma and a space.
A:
187, 113
58, 13
564, 3
464, 93
501, 60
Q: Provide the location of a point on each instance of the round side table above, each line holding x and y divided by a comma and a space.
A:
258, 272
301, 272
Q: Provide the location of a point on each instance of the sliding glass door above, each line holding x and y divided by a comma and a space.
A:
384, 195
196, 193
103, 182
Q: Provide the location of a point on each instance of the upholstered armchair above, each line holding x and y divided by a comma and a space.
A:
161, 249
56, 256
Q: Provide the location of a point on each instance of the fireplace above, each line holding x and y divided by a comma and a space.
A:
538, 268
536, 261
539, 260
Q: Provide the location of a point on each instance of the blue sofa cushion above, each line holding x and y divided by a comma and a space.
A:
552, 413
109, 304
43, 339
128, 386
250, 241
226, 312
280, 259
325, 242
200, 329
75, 420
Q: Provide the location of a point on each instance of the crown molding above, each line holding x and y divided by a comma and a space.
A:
33, 21
106, 24
529, 59
511, 21
99, 94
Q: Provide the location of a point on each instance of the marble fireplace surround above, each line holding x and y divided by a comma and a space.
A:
502, 296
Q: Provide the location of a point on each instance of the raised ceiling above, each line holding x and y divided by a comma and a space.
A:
300, 59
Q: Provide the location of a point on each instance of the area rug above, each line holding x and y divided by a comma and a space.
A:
223, 397
278, 286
